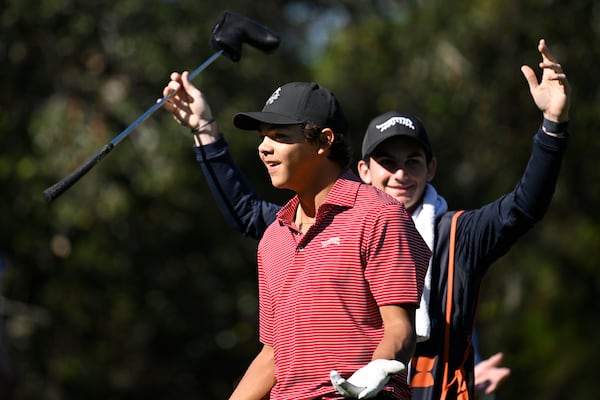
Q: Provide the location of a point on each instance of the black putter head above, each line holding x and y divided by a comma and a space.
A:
233, 30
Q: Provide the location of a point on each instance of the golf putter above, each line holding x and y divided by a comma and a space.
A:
226, 38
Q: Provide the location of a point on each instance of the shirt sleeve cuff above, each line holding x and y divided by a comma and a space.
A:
212, 150
558, 129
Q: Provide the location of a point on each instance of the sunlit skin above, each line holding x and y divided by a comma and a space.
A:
398, 166
294, 163
287, 156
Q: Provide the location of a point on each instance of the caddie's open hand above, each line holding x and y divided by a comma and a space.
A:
489, 374
187, 104
368, 381
552, 94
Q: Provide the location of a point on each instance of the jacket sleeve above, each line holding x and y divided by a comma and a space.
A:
487, 233
239, 204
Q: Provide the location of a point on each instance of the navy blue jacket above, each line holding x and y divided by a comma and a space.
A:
483, 236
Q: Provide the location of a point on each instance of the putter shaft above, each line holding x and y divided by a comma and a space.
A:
61, 186
159, 104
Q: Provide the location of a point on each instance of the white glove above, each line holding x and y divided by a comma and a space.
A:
368, 381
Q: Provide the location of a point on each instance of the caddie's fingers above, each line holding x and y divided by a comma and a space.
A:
547, 56
495, 360
530, 77
555, 76
554, 66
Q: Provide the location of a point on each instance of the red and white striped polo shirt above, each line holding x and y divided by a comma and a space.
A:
320, 292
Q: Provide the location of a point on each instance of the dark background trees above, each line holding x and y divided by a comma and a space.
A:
130, 286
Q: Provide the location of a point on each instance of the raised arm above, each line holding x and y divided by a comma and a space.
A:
502, 222
242, 208
552, 97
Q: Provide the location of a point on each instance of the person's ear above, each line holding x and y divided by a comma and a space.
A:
431, 168
364, 171
326, 138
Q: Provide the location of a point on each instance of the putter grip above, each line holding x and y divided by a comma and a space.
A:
61, 186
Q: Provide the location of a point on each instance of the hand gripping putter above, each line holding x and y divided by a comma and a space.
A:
226, 38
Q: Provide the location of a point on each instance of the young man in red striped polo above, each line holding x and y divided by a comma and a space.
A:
341, 269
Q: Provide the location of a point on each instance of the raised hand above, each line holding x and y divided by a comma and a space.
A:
552, 94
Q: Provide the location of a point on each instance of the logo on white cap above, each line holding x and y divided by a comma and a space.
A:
395, 121
274, 96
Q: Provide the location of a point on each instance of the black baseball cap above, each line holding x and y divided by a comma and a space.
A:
296, 103
394, 123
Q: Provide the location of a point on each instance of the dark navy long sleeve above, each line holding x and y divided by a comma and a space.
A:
239, 204
483, 235
487, 233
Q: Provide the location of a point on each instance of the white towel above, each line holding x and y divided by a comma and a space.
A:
424, 218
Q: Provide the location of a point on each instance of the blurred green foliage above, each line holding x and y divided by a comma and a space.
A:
130, 286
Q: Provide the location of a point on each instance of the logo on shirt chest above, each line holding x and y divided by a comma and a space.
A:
332, 241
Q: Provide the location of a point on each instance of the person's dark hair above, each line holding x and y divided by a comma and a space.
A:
339, 151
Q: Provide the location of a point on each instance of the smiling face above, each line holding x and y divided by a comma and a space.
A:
291, 161
398, 166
